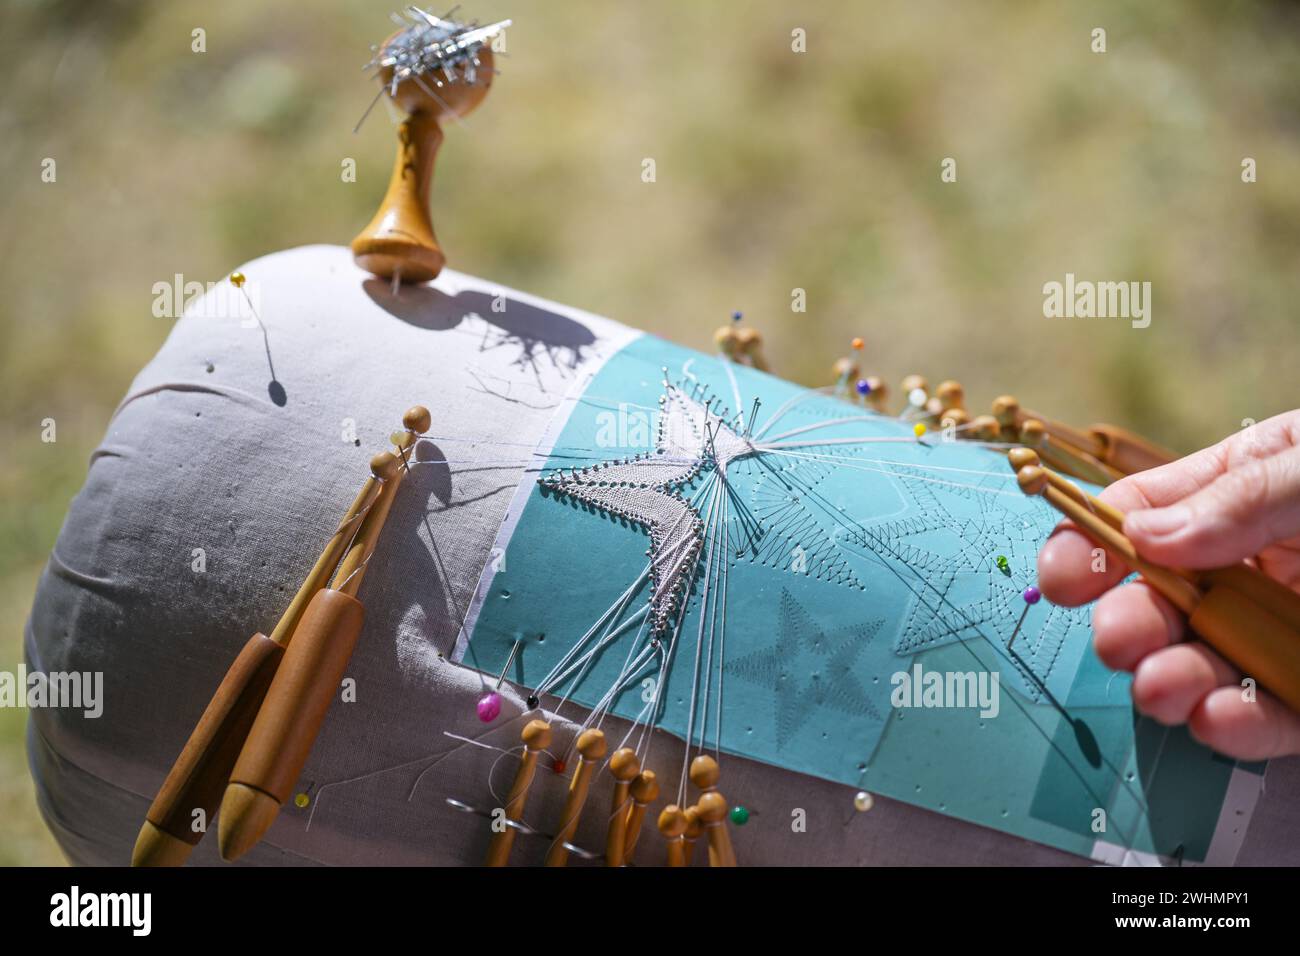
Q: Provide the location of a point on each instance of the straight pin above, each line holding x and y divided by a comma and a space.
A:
489, 705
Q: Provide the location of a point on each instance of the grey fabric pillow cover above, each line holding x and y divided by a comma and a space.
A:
244, 445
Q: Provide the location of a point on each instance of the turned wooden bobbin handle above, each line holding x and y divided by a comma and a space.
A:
644, 790
305, 684
694, 830
712, 807
625, 766
713, 816
399, 241
672, 824
1242, 614
192, 791
591, 751
199, 776
536, 738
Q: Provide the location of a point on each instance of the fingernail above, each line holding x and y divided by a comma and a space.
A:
1159, 522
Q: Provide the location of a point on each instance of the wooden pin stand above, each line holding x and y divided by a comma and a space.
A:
399, 241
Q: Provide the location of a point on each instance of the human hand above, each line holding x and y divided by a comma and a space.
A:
1238, 499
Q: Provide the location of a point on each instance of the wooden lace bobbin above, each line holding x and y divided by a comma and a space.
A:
955, 421
749, 344
672, 824
306, 681
725, 340
1082, 442
1017, 424
1274, 597
1102, 453
1126, 452
1006, 412
950, 395
915, 387
911, 383
1248, 634
1064, 457
198, 778
536, 737
399, 239
694, 830
1029, 458
878, 394
625, 767
846, 372
713, 816
591, 748
984, 428
713, 809
644, 791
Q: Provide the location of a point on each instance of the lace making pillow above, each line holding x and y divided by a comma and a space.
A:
681, 548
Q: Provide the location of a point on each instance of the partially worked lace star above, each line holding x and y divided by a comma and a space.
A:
646, 489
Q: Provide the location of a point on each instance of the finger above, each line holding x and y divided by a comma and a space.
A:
1132, 622
1159, 487
1071, 571
1247, 730
1234, 517
1169, 684
1067, 566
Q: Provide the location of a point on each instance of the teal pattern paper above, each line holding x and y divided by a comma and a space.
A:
852, 552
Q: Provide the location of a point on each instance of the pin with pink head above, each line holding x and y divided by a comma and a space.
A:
489, 705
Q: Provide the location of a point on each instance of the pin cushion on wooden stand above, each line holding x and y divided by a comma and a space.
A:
436, 71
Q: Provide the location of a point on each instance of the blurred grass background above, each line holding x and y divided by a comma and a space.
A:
775, 171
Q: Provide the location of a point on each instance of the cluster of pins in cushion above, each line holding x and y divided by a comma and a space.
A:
634, 791
435, 70
1100, 453
434, 49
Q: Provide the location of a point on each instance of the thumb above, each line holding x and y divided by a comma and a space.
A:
1236, 516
